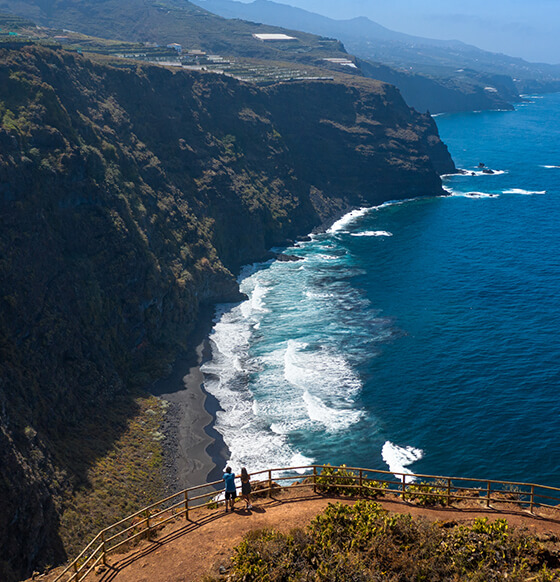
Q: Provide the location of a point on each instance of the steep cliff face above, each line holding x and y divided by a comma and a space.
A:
466, 91
128, 196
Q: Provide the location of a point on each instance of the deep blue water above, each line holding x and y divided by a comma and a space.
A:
420, 335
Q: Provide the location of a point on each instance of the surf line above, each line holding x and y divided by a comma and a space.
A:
256, 429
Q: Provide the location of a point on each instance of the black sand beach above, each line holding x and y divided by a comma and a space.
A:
194, 452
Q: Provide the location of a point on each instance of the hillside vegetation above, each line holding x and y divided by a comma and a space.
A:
364, 543
129, 197
173, 21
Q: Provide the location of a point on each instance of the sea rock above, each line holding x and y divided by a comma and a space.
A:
282, 257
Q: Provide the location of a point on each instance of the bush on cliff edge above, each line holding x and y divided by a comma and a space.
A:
365, 543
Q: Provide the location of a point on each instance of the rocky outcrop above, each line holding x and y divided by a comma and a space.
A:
128, 197
29, 517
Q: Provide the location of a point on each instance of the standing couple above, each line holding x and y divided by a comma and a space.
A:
231, 492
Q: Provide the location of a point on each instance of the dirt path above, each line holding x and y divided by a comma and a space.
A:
186, 551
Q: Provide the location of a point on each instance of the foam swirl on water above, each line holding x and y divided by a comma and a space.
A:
283, 365
524, 192
276, 368
372, 233
327, 384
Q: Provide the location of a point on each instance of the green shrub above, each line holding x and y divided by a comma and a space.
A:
373, 489
342, 481
426, 494
365, 543
336, 481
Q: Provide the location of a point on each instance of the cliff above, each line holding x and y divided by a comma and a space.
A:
466, 90
128, 197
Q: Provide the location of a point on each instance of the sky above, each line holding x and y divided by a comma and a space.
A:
521, 28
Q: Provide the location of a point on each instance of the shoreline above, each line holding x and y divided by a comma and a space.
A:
194, 452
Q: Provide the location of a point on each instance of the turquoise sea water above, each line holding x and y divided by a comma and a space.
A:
420, 335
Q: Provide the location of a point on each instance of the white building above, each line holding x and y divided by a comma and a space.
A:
272, 37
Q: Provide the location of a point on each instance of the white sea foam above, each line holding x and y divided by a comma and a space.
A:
551, 167
257, 298
343, 223
270, 388
226, 376
326, 382
524, 192
307, 367
328, 257
473, 194
399, 458
318, 295
373, 233
299, 460
480, 195
481, 173
394, 203
331, 418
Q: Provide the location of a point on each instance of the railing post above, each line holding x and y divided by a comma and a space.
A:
148, 526
488, 495
448, 492
76, 573
269, 483
186, 505
361, 483
532, 499
103, 548
314, 479
404, 487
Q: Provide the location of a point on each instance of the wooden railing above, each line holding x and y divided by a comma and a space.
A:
323, 478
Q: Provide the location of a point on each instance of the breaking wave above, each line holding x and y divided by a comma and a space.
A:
523, 192
399, 458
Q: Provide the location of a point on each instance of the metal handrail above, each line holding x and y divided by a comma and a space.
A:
100, 546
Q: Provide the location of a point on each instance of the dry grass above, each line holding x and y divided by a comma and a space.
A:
122, 481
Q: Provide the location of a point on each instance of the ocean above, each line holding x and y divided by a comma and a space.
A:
417, 336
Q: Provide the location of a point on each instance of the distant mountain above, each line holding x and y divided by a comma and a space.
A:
284, 15
368, 40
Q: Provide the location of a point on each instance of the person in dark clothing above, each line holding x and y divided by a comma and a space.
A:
231, 493
246, 488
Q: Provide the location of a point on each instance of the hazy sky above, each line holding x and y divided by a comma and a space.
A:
521, 28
